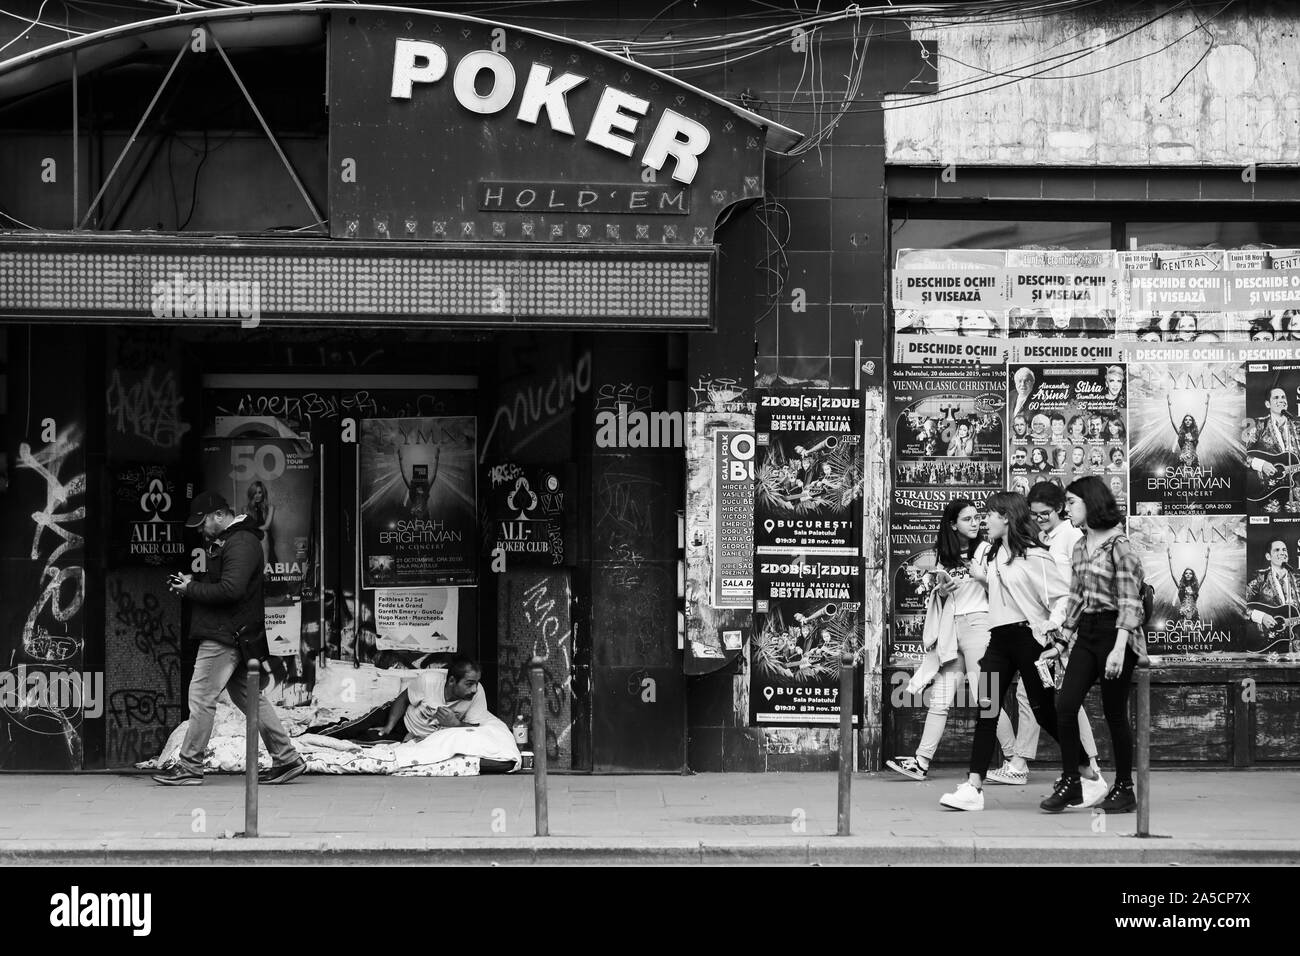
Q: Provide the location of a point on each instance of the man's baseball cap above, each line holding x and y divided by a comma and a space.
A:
203, 505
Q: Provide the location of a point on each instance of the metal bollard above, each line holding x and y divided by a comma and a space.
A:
1143, 783
847, 669
536, 673
252, 693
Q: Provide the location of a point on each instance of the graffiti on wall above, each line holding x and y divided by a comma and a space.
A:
148, 406
140, 718
537, 623
535, 407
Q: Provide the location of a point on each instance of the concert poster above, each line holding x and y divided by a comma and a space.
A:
947, 423
809, 474
912, 559
418, 509
1196, 567
1272, 609
273, 481
807, 611
1068, 422
1186, 447
1178, 307
1271, 435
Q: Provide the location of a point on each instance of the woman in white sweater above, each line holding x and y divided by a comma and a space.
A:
956, 630
1025, 585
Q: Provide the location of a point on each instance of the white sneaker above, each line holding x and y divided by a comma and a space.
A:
966, 797
1094, 791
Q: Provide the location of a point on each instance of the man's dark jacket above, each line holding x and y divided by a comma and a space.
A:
230, 594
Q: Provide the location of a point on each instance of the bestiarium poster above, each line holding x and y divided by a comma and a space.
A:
418, 506
807, 612
1186, 447
1197, 568
1068, 422
947, 425
808, 482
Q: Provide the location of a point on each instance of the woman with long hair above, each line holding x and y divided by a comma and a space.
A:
1187, 436
1189, 587
259, 508
956, 630
1101, 623
1025, 586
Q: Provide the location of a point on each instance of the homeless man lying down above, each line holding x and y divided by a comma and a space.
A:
437, 700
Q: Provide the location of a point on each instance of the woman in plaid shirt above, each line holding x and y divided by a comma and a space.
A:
1101, 623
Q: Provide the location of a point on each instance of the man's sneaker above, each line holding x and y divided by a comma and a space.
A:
1094, 791
1121, 799
1067, 793
283, 773
966, 797
908, 767
178, 776
1009, 775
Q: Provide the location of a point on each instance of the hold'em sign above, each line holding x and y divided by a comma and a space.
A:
451, 129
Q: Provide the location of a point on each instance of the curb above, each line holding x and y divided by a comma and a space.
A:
825, 851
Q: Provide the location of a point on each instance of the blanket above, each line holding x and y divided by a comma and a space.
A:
454, 752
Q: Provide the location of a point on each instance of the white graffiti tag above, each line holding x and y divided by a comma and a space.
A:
63, 521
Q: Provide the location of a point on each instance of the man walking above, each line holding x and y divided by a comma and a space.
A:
227, 601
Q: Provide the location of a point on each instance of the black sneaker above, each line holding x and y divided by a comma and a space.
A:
908, 767
1067, 793
179, 776
283, 773
1121, 799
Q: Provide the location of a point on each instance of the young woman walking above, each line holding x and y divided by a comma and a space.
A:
1101, 623
1024, 586
956, 630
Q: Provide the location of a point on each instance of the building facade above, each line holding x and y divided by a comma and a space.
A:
477, 315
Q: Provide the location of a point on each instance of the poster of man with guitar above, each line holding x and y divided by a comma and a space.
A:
1273, 603
1273, 457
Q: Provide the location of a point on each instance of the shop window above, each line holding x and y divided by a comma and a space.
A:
908, 233
1228, 235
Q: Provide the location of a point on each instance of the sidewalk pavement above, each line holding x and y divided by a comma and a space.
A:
776, 818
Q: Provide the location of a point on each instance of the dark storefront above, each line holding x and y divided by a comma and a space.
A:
394, 348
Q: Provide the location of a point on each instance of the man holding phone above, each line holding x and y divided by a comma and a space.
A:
227, 600
436, 700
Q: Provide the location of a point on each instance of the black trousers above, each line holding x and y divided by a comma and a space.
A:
1095, 641
1012, 650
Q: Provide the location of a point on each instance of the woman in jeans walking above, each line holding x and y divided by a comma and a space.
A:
956, 630
1101, 622
1024, 587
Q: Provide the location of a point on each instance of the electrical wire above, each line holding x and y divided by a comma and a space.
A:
16, 220
31, 25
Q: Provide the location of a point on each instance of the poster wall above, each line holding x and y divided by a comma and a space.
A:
808, 589
1189, 410
418, 506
